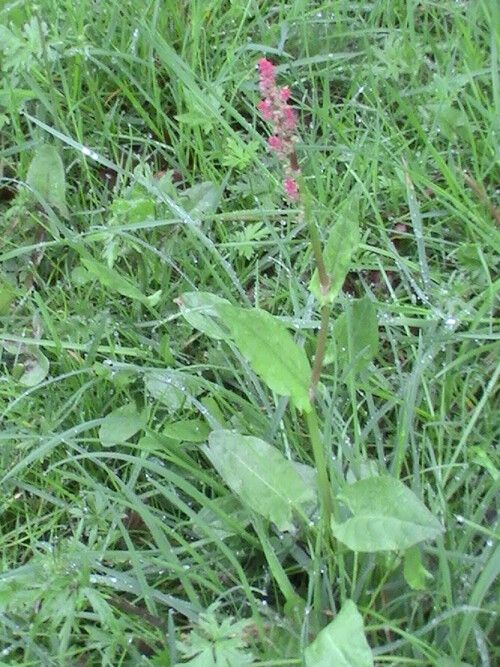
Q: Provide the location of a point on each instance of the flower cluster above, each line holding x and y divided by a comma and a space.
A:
274, 107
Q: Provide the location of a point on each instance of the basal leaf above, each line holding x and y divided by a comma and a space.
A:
121, 424
356, 334
47, 178
386, 516
173, 388
212, 515
35, 369
200, 310
342, 643
342, 242
273, 354
259, 475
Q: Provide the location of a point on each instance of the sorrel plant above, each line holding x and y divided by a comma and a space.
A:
384, 513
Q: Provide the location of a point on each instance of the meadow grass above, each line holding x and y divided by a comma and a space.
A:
113, 553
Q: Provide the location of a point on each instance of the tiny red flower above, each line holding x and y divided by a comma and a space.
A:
289, 118
267, 74
266, 68
285, 93
291, 189
265, 108
274, 143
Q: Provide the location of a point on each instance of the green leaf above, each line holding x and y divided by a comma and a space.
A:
214, 643
114, 280
195, 119
342, 643
415, 573
262, 339
210, 515
481, 458
200, 310
14, 97
273, 354
46, 177
173, 388
203, 107
25, 48
213, 414
121, 424
189, 430
259, 475
35, 370
387, 516
453, 122
205, 658
7, 294
132, 210
342, 243
445, 661
201, 199
240, 153
356, 334
153, 299
245, 240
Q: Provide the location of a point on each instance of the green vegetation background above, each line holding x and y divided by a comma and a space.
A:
114, 539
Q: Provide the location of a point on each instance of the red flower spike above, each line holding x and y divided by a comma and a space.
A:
274, 108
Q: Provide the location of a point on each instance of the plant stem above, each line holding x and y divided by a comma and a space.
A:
324, 278
320, 462
312, 417
320, 349
307, 215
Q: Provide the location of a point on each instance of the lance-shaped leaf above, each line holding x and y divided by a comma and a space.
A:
342, 643
46, 177
262, 339
273, 354
259, 475
386, 516
356, 334
342, 242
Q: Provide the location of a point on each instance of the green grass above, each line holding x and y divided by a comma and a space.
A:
110, 554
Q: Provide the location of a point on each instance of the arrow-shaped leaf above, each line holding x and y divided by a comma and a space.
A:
259, 475
386, 516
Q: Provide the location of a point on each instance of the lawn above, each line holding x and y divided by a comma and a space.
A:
249, 333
